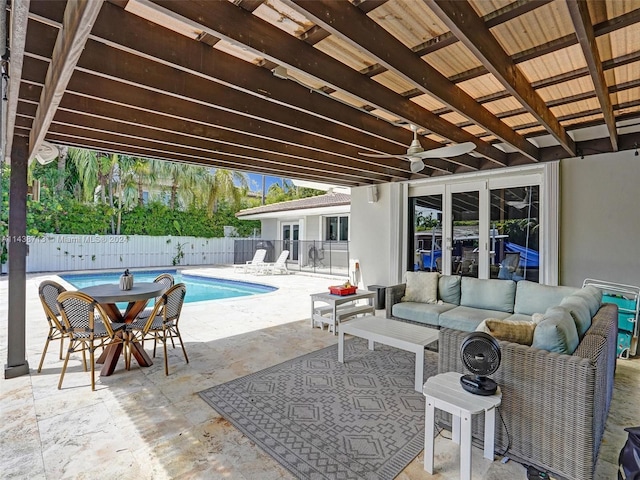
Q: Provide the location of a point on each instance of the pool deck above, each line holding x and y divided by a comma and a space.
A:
141, 424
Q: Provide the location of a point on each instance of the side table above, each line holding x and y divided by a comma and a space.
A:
444, 392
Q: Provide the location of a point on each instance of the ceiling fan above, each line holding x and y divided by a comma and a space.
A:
46, 153
520, 204
415, 153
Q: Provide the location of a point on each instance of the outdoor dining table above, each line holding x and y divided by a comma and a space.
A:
108, 295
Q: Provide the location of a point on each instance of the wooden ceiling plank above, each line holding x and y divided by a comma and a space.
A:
136, 105
78, 20
579, 12
178, 50
351, 25
101, 58
150, 150
603, 28
465, 24
19, 20
131, 135
237, 26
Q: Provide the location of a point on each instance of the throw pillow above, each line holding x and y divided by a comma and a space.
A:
556, 332
515, 331
421, 287
593, 296
578, 307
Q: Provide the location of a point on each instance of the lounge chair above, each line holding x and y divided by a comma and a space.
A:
509, 266
280, 265
258, 259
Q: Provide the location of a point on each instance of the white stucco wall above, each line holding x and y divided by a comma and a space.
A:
600, 219
373, 230
269, 229
599, 231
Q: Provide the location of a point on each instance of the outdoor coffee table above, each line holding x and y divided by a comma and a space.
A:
402, 335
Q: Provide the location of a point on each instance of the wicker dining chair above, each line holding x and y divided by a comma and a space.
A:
167, 281
48, 292
88, 327
162, 324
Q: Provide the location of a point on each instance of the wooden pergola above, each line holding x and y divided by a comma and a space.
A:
302, 88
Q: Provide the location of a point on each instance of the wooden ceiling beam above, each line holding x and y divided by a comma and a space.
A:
349, 24
108, 98
18, 28
237, 26
150, 150
566, 41
114, 63
76, 26
177, 50
126, 134
465, 24
579, 12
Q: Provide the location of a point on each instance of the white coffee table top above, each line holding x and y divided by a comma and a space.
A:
409, 332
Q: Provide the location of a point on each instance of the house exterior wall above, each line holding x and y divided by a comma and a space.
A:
269, 228
313, 229
373, 229
599, 227
600, 219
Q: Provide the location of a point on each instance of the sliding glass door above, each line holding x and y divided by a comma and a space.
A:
481, 229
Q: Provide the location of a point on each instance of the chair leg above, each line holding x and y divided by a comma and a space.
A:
166, 358
46, 344
64, 366
93, 366
61, 344
84, 358
182, 345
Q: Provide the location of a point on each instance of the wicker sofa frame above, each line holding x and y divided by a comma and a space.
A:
554, 406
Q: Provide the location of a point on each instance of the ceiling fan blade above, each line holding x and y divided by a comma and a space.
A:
416, 165
446, 152
377, 155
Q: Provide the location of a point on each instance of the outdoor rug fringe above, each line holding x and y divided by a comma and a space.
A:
321, 419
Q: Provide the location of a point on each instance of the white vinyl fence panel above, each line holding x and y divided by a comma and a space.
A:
58, 253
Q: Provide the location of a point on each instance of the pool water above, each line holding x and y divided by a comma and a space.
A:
198, 288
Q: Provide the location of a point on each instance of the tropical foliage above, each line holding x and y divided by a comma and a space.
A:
106, 193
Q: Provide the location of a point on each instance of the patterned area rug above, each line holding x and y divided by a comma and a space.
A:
321, 419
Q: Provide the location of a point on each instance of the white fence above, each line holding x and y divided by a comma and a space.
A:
57, 253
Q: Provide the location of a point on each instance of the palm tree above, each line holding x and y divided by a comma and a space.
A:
183, 178
94, 169
226, 185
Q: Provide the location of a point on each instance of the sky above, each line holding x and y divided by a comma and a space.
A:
255, 182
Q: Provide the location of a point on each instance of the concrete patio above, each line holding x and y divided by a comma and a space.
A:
142, 424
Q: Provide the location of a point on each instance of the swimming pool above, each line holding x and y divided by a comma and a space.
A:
198, 288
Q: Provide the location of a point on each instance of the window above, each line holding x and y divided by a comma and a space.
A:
337, 229
487, 225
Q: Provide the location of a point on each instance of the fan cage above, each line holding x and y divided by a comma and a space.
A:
480, 353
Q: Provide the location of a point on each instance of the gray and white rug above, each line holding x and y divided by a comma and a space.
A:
321, 419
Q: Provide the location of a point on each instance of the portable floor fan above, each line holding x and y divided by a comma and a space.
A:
480, 354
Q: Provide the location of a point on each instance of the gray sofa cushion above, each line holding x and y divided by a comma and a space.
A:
533, 298
519, 317
449, 289
488, 294
579, 309
593, 296
468, 318
556, 332
427, 313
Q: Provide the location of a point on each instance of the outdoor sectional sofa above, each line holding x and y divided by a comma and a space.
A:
554, 405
